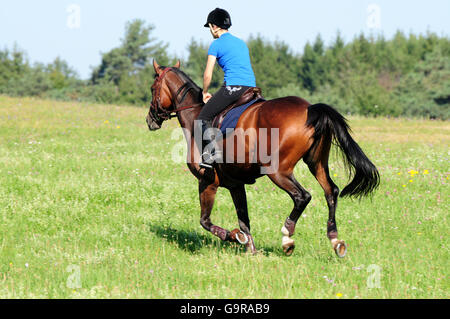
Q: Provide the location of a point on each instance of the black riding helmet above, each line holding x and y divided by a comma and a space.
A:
220, 18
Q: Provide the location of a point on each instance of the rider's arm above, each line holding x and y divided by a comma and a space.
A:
207, 76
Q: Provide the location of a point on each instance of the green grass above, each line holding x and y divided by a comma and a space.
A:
87, 190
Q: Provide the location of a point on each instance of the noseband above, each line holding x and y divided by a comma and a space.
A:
159, 113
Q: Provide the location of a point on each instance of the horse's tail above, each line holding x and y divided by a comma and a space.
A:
330, 124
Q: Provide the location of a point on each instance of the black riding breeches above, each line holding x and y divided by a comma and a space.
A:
226, 95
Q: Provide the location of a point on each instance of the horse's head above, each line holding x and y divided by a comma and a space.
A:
162, 104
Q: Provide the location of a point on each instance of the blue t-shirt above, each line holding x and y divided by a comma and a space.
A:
234, 58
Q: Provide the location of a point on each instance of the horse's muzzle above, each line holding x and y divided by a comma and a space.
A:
152, 125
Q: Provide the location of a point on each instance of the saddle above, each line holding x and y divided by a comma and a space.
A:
252, 94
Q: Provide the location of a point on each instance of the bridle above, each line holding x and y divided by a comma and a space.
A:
160, 114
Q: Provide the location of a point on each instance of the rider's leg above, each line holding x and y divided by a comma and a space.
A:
225, 96
208, 151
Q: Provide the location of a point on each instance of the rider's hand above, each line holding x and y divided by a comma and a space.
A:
206, 97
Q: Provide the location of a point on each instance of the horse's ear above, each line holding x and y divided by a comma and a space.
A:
156, 67
177, 65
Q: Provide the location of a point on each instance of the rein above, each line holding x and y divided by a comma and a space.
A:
160, 113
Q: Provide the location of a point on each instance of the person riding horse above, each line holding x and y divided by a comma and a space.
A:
304, 131
233, 56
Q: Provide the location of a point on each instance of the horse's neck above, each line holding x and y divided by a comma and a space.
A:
187, 117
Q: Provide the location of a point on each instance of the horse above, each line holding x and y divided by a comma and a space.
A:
305, 131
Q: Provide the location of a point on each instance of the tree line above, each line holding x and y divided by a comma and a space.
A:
407, 75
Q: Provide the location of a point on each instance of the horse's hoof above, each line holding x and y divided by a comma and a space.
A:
239, 236
242, 238
341, 249
288, 250
250, 246
288, 246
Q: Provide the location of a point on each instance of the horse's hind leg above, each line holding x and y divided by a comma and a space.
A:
240, 202
321, 172
301, 199
207, 193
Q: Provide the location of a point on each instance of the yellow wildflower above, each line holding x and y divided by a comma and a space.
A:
413, 172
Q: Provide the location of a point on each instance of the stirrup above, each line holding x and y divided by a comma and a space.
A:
207, 160
205, 165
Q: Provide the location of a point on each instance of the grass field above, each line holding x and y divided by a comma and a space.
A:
92, 206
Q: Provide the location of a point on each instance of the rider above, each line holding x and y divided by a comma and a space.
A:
233, 56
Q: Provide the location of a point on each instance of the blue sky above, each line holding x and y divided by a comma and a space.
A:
46, 29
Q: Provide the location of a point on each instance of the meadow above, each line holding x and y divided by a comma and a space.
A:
92, 206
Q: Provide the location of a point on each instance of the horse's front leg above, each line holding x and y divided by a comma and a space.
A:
242, 236
207, 192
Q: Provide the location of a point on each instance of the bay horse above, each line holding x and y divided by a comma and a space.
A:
305, 132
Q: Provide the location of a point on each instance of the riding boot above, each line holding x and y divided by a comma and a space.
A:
208, 151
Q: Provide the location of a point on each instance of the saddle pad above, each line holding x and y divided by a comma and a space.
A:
230, 120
